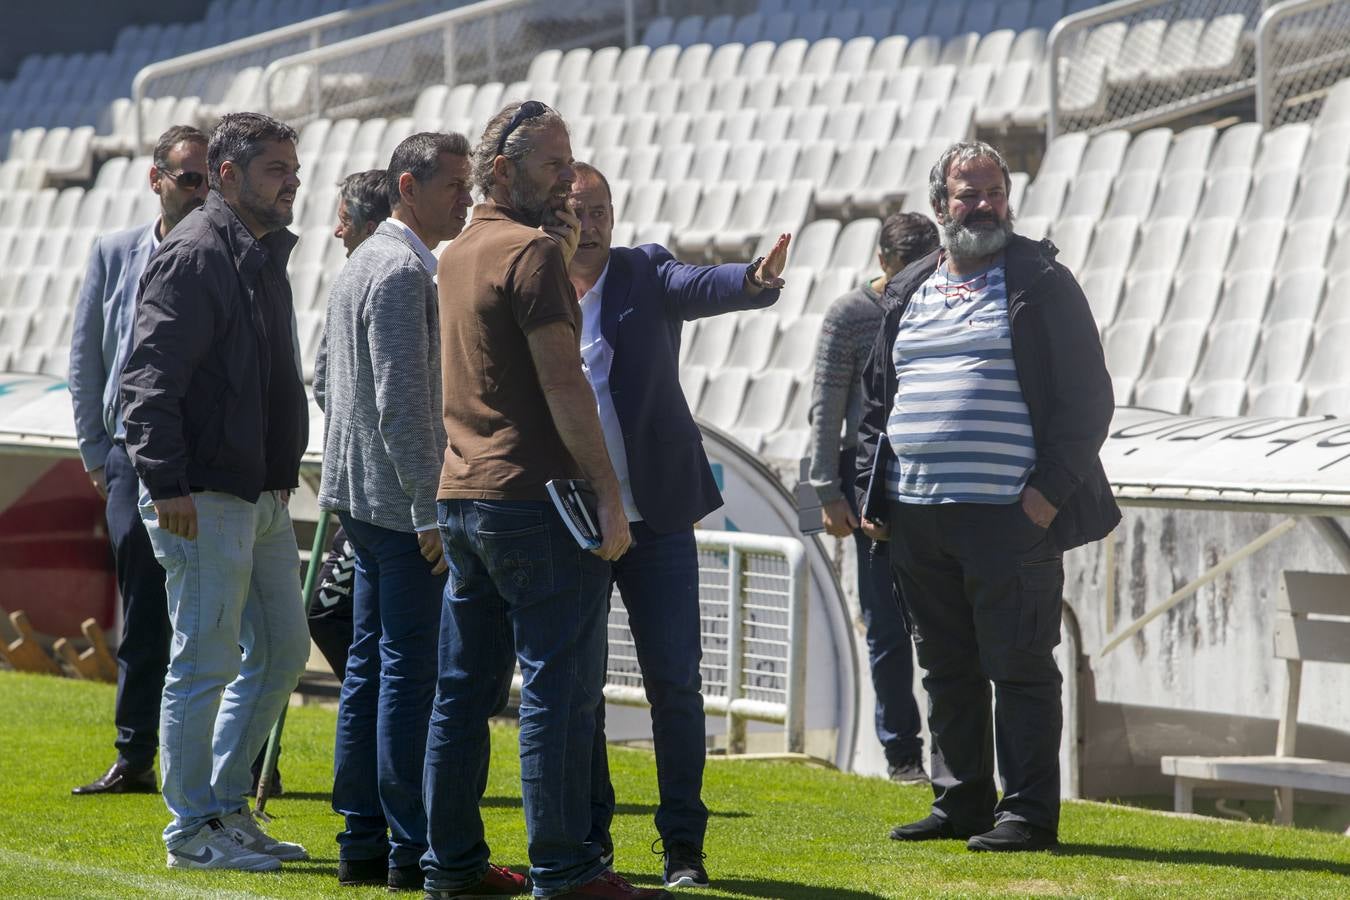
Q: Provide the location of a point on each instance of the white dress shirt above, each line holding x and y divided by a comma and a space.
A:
596, 358
426, 256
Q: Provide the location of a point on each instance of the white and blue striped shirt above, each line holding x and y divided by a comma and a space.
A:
960, 427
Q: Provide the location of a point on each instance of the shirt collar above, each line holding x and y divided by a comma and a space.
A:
598, 289
426, 256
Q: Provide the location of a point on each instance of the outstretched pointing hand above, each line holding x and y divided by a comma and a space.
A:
771, 269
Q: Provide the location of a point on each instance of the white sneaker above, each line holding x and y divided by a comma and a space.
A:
215, 847
251, 837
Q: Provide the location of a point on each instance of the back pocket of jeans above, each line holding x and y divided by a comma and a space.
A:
516, 549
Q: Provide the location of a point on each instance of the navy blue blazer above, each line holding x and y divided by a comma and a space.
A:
647, 298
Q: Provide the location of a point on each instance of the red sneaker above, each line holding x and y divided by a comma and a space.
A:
612, 886
497, 881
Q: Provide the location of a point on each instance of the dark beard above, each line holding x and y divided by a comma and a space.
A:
267, 215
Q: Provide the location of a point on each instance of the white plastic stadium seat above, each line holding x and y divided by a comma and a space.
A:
813, 247
713, 215
1160, 247
1283, 350
724, 394
1102, 289
756, 336
1236, 148
1113, 243
856, 246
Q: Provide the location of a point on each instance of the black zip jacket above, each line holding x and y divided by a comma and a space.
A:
213, 393
1062, 373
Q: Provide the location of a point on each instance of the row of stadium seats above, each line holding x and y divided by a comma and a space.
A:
1217, 266
869, 17
794, 58
76, 88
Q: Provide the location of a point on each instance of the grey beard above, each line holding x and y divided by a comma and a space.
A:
968, 243
527, 200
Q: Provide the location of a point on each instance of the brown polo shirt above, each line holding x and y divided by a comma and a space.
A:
498, 281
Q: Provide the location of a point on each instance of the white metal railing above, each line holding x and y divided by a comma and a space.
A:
1302, 49
753, 614
1137, 63
381, 73
211, 73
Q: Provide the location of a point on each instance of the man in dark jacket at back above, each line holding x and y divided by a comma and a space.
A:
985, 403
216, 422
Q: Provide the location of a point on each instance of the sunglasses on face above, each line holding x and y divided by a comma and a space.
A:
187, 180
530, 109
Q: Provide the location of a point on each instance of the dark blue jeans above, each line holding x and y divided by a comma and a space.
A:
888, 643
386, 696
143, 654
658, 579
520, 589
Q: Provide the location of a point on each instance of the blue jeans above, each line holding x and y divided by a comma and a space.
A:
658, 579
386, 696
889, 653
239, 647
520, 589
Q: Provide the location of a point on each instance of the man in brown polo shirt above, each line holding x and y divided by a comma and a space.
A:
518, 412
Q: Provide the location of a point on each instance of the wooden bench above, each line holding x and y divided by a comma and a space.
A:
1297, 638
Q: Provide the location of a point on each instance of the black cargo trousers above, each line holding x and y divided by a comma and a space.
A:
983, 586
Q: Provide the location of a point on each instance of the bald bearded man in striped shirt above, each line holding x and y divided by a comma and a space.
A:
985, 402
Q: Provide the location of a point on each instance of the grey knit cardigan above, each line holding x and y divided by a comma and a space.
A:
378, 381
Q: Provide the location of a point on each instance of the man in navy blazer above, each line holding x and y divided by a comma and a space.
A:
634, 303
100, 343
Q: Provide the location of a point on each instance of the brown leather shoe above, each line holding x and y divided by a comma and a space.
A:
121, 779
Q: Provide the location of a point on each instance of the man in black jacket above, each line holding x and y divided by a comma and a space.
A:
216, 422
985, 402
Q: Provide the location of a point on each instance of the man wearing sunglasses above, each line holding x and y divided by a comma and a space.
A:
518, 413
99, 348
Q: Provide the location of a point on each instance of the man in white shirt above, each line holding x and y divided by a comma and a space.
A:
634, 303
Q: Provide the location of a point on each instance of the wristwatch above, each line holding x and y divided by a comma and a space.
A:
752, 274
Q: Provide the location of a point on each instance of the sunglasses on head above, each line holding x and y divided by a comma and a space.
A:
530, 109
187, 180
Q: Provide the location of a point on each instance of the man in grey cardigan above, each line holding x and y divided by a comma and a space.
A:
378, 380
846, 338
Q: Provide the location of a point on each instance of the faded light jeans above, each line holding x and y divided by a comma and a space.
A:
240, 644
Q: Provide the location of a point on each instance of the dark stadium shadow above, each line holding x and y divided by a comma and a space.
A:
1257, 861
782, 890
620, 809
301, 795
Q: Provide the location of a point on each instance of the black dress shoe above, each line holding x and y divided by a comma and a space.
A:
121, 779
406, 878
930, 828
1011, 837
363, 871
